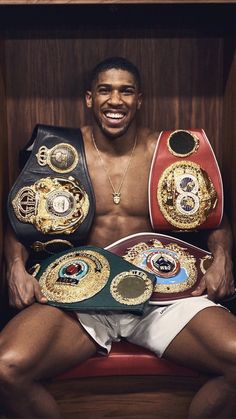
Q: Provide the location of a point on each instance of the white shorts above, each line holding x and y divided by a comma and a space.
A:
154, 330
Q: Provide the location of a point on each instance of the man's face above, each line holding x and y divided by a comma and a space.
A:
114, 100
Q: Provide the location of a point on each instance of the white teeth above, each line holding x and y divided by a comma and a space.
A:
114, 115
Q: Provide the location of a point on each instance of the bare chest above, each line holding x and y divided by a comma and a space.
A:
120, 185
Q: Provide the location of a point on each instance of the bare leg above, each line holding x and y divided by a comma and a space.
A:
208, 343
38, 343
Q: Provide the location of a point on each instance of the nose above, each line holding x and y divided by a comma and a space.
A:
115, 97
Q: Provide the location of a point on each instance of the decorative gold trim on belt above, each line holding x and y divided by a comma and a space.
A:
182, 143
92, 274
62, 158
38, 246
178, 258
52, 205
131, 287
186, 195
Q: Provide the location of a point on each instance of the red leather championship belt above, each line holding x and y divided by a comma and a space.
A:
177, 265
185, 185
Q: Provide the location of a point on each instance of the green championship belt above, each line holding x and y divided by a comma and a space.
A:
89, 279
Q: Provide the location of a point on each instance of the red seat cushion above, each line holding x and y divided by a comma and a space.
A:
126, 359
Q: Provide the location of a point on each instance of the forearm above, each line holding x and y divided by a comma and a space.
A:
218, 280
14, 250
220, 240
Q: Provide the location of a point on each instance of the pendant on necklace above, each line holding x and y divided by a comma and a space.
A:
116, 197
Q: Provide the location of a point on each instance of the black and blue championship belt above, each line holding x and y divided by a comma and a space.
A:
178, 266
51, 205
92, 279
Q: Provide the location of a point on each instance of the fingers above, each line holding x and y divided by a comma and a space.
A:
201, 288
19, 302
26, 294
39, 295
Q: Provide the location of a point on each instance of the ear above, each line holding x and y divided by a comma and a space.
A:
88, 99
140, 99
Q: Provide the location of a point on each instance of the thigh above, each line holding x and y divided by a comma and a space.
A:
45, 340
207, 342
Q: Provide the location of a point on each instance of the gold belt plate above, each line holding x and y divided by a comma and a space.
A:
186, 195
53, 205
75, 276
174, 267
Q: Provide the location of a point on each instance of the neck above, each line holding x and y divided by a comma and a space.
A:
116, 192
114, 144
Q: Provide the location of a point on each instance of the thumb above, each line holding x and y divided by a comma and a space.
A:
39, 295
200, 288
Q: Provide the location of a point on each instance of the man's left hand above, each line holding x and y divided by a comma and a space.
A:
218, 281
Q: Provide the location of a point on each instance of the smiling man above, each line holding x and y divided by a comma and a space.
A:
42, 341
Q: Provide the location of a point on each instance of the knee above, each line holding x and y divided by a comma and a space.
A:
11, 369
229, 366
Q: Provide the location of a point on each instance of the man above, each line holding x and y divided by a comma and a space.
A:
42, 341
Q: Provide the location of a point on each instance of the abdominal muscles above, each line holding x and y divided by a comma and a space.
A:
109, 228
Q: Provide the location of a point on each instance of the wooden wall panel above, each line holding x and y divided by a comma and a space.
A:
3, 181
46, 77
3, 144
228, 139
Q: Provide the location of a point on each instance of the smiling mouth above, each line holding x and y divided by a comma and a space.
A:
114, 115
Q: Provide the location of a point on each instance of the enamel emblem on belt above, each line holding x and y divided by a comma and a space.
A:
52, 205
185, 194
62, 158
174, 267
75, 276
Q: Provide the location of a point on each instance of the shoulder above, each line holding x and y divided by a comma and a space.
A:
148, 138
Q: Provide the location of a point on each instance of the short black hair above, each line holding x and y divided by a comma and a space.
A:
118, 63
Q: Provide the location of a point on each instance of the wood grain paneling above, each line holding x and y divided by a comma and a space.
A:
46, 78
125, 397
3, 143
3, 180
228, 139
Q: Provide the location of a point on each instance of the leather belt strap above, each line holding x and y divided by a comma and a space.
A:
185, 185
51, 205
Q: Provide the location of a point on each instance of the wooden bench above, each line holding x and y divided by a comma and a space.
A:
130, 382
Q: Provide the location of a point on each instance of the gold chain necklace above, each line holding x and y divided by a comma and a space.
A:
116, 194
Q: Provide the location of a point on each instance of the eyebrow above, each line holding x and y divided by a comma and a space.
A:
130, 86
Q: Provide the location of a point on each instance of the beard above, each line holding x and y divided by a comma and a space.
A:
108, 131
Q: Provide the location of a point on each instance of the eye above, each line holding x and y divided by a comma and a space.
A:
103, 90
128, 91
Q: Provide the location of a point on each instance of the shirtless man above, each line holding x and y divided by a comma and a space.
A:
42, 341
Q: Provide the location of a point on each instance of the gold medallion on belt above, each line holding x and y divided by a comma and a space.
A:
62, 158
75, 276
53, 205
174, 267
131, 287
186, 195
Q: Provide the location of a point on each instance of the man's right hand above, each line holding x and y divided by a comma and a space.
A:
24, 289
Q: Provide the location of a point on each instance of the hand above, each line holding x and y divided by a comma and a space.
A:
24, 289
218, 281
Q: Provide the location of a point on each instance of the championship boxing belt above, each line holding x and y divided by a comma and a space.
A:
51, 205
177, 265
185, 185
89, 278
